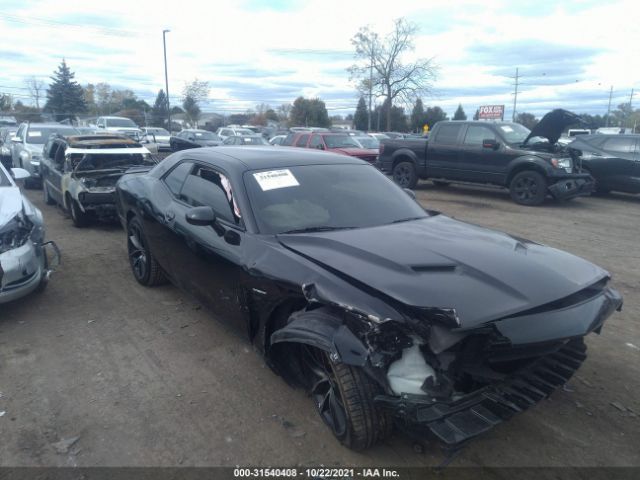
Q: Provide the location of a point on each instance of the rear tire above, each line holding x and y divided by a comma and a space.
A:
344, 395
144, 266
405, 175
528, 188
45, 194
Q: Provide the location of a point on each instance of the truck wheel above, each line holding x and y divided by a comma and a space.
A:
404, 174
344, 395
528, 188
46, 196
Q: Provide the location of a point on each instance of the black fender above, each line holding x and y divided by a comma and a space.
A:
401, 154
327, 332
528, 162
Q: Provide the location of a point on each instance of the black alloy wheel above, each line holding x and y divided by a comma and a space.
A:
144, 266
528, 188
404, 174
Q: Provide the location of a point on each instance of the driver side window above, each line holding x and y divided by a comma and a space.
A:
206, 187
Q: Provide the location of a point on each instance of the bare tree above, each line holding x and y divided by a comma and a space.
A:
193, 93
36, 89
379, 67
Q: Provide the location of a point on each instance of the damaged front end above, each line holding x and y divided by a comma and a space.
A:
437, 378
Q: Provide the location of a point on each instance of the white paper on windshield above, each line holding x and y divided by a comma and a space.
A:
35, 134
276, 179
506, 128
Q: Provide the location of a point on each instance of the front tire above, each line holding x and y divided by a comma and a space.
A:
405, 175
144, 266
80, 219
528, 188
343, 395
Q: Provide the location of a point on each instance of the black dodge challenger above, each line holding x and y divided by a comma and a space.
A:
388, 314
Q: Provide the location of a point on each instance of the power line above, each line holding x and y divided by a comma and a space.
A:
45, 22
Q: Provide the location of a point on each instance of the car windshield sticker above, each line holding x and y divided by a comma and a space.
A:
276, 179
506, 128
35, 134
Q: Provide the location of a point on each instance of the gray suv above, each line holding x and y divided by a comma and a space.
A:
26, 147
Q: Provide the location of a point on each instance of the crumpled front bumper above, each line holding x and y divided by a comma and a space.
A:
23, 268
454, 422
572, 186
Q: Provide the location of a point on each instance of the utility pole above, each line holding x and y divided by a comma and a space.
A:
515, 96
370, 91
606, 124
166, 78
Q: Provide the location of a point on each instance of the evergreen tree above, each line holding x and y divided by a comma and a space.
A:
65, 97
417, 116
159, 110
361, 118
309, 113
459, 115
434, 115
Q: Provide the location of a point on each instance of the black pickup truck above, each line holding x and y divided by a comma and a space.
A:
529, 163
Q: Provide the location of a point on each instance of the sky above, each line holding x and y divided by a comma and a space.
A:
569, 54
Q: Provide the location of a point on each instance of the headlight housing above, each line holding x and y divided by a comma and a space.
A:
89, 182
565, 163
15, 233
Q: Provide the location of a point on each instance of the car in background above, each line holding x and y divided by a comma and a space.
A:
121, 125
245, 140
6, 134
385, 313
26, 147
225, 132
277, 140
79, 173
161, 135
341, 143
86, 130
394, 135
379, 136
612, 160
367, 141
24, 263
194, 138
8, 121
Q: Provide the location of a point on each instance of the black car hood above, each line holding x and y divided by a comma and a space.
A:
552, 125
440, 262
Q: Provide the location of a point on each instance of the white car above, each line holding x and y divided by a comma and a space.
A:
121, 125
24, 266
226, 132
277, 140
161, 135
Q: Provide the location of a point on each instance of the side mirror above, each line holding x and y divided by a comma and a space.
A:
20, 173
201, 216
100, 126
490, 143
16, 139
410, 192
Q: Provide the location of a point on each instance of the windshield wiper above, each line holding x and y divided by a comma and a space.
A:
408, 219
320, 228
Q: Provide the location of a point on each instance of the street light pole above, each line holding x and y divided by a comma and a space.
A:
166, 77
606, 124
370, 91
515, 96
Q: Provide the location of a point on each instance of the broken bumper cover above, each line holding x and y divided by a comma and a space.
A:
454, 422
572, 186
102, 203
23, 268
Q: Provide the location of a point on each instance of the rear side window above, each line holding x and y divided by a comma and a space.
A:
206, 187
447, 134
620, 145
288, 140
177, 176
302, 141
316, 141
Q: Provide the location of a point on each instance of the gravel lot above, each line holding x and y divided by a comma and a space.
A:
145, 377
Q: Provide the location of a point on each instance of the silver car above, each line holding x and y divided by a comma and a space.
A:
24, 265
161, 136
26, 147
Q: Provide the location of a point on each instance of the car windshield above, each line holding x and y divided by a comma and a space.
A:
367, 142
254, 140
40, 135
515, 134
204, 135
326, 197
340, 141
158, 131
120, 122
244, 131
106, 161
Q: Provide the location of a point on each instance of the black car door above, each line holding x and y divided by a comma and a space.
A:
206, 263
620, 163
443, 152
480, 160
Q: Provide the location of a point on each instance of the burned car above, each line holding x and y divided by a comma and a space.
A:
80, 172
24, 264
387, 313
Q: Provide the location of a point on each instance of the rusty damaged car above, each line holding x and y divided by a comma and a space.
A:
390, 315
24, 263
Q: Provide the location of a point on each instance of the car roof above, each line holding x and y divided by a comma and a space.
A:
97, 140
49, 125
237, 160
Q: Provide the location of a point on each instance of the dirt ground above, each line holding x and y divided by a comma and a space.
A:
99, 371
